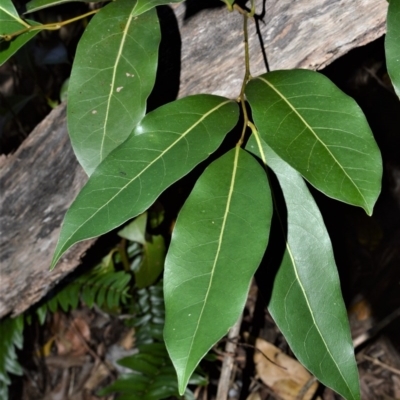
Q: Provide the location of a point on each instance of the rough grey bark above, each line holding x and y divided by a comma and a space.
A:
38, 182
41, 179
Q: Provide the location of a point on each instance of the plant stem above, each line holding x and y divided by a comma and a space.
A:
53, 26
123, 254
252, 9
247, 75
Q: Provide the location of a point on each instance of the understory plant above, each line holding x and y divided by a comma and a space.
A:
302, 128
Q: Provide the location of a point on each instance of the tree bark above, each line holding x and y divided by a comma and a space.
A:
39, 181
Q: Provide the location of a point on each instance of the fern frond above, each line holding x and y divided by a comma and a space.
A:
11, 337
102, 286
153, 376
150, 314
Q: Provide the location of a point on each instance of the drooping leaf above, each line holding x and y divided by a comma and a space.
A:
152, 262
167, 144
112, 76
319, 131
35, 5
392, 44
10, 22
306, 300
219, 239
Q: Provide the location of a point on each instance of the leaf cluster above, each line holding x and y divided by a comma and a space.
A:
302, 128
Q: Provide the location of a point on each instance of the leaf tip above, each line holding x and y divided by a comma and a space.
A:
58, 252
182, 385
54, 262
369, 209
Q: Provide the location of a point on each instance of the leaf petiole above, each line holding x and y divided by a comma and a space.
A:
53, 26
247, 76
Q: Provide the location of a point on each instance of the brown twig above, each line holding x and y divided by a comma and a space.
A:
89, 349
370, 333
257, 349
305, 388
229, 358
381, 364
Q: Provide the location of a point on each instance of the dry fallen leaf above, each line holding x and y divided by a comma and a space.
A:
286, 377
128, 340
361, 309
254, 396
71, 335
97, 376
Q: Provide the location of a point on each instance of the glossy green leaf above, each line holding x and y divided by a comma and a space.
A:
167, 144
35, 5
141, 5
152, 262
392, 44
8, 8
218, 241
10, 22
306, 300
319, 131
112, 76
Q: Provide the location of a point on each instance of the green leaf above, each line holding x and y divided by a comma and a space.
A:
11, 334
219, 239
145, 5
167, 144
112, 76
35, 5
392, 44
136, 230
319, 131
10, 22
7, 7
306, 300
152, 263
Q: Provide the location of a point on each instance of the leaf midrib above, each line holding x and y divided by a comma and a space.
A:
316, 136
147, 167
16, 18
220, 239
119, 54
258, 140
